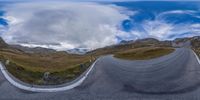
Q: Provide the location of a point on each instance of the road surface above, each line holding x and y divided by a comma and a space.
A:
172, 77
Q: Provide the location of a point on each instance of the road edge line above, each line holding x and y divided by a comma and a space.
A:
197, 57
37, 89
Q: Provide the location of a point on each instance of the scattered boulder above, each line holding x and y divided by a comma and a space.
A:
46, 76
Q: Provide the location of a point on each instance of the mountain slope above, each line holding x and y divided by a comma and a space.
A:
126, 45
80, 51
3, 44
33, 50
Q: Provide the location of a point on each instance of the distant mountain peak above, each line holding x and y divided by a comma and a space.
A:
147, 40
78, 51
33, 50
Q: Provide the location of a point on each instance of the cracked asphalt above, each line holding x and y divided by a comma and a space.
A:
172, 77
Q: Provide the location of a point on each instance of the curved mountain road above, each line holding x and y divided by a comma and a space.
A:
172, 77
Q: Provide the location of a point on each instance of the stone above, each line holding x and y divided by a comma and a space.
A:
7, 62
46, 76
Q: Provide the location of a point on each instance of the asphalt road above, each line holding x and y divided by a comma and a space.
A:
172, 77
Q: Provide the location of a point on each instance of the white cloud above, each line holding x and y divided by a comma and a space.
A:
164, 30
188, 12
69, 24
157, 28
178, 12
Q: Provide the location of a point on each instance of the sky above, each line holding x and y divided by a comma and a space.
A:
63, 25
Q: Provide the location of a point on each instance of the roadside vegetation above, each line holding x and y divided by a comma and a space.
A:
197, 51
144, 53
31, 68
196, 45
113, 49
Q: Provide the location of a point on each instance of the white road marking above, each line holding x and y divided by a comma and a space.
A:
197, 57
37, 89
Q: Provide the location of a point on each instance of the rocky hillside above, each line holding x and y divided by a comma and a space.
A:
3, 43
33, 50
80, 51
195, 41
17, 48
126, 45
192, 42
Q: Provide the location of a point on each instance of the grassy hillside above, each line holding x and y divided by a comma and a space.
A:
149, 42
30, 67
144, 53
2, 43
198, 51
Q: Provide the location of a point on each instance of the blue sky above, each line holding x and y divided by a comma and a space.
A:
68, 25
176, 14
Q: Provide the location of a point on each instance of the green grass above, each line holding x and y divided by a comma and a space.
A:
197, 51
58, 77
30, 68
144, 53
52, 62
37, 77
